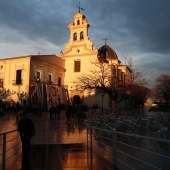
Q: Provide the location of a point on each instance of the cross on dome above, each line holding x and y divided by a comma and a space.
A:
105, 39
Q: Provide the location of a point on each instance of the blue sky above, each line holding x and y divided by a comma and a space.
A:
135, 28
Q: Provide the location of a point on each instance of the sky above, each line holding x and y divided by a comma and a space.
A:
137, 29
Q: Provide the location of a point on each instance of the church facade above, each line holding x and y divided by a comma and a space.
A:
79, 55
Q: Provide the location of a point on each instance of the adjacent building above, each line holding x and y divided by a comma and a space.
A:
28, 78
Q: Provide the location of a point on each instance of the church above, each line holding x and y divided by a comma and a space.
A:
78, 56
49, 79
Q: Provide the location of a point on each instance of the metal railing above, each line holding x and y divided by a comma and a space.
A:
120, 150
128, 151
10, 146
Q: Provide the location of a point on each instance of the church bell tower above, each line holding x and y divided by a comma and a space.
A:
79, 33
78, 53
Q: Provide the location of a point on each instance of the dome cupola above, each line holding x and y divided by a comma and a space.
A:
106, 53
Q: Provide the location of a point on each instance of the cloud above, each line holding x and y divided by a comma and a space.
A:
34, 20
138, 29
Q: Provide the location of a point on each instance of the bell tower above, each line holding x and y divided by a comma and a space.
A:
79, 33
78, 53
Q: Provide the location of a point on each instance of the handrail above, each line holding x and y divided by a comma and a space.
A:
121, 147
5, 149
145, 137
111, 144
133, 135
8, 132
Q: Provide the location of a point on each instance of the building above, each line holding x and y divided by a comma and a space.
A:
78, 56
30, 77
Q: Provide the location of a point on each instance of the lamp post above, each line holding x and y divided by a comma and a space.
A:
102, 100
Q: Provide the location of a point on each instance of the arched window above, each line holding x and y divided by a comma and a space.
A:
75, 36
78, 22
82, 35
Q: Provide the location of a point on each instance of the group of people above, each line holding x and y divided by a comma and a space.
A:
55, 111
75, 112
6, 106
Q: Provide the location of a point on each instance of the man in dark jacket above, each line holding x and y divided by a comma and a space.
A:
26, 130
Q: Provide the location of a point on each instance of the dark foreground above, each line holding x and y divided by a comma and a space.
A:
57, 145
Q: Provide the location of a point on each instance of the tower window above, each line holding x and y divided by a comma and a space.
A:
18, 76
78, 22
75, 36
82, 35
77, 65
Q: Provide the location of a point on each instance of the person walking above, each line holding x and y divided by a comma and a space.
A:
27, 131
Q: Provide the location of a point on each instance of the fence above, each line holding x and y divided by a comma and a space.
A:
128, 151
10, 146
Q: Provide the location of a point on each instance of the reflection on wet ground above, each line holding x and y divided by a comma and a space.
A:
8, 122
57, 144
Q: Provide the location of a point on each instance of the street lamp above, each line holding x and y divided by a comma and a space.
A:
102, 100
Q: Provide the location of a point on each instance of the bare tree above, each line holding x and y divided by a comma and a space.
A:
137, 75
100, 78
137, 87
162, 87
163, 93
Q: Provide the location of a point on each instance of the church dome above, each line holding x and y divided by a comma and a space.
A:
106, 53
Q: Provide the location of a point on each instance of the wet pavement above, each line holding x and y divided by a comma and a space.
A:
56, 145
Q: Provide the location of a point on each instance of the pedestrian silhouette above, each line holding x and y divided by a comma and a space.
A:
26, 130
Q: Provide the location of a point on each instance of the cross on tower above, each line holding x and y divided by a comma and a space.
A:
105, 39
80, 8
